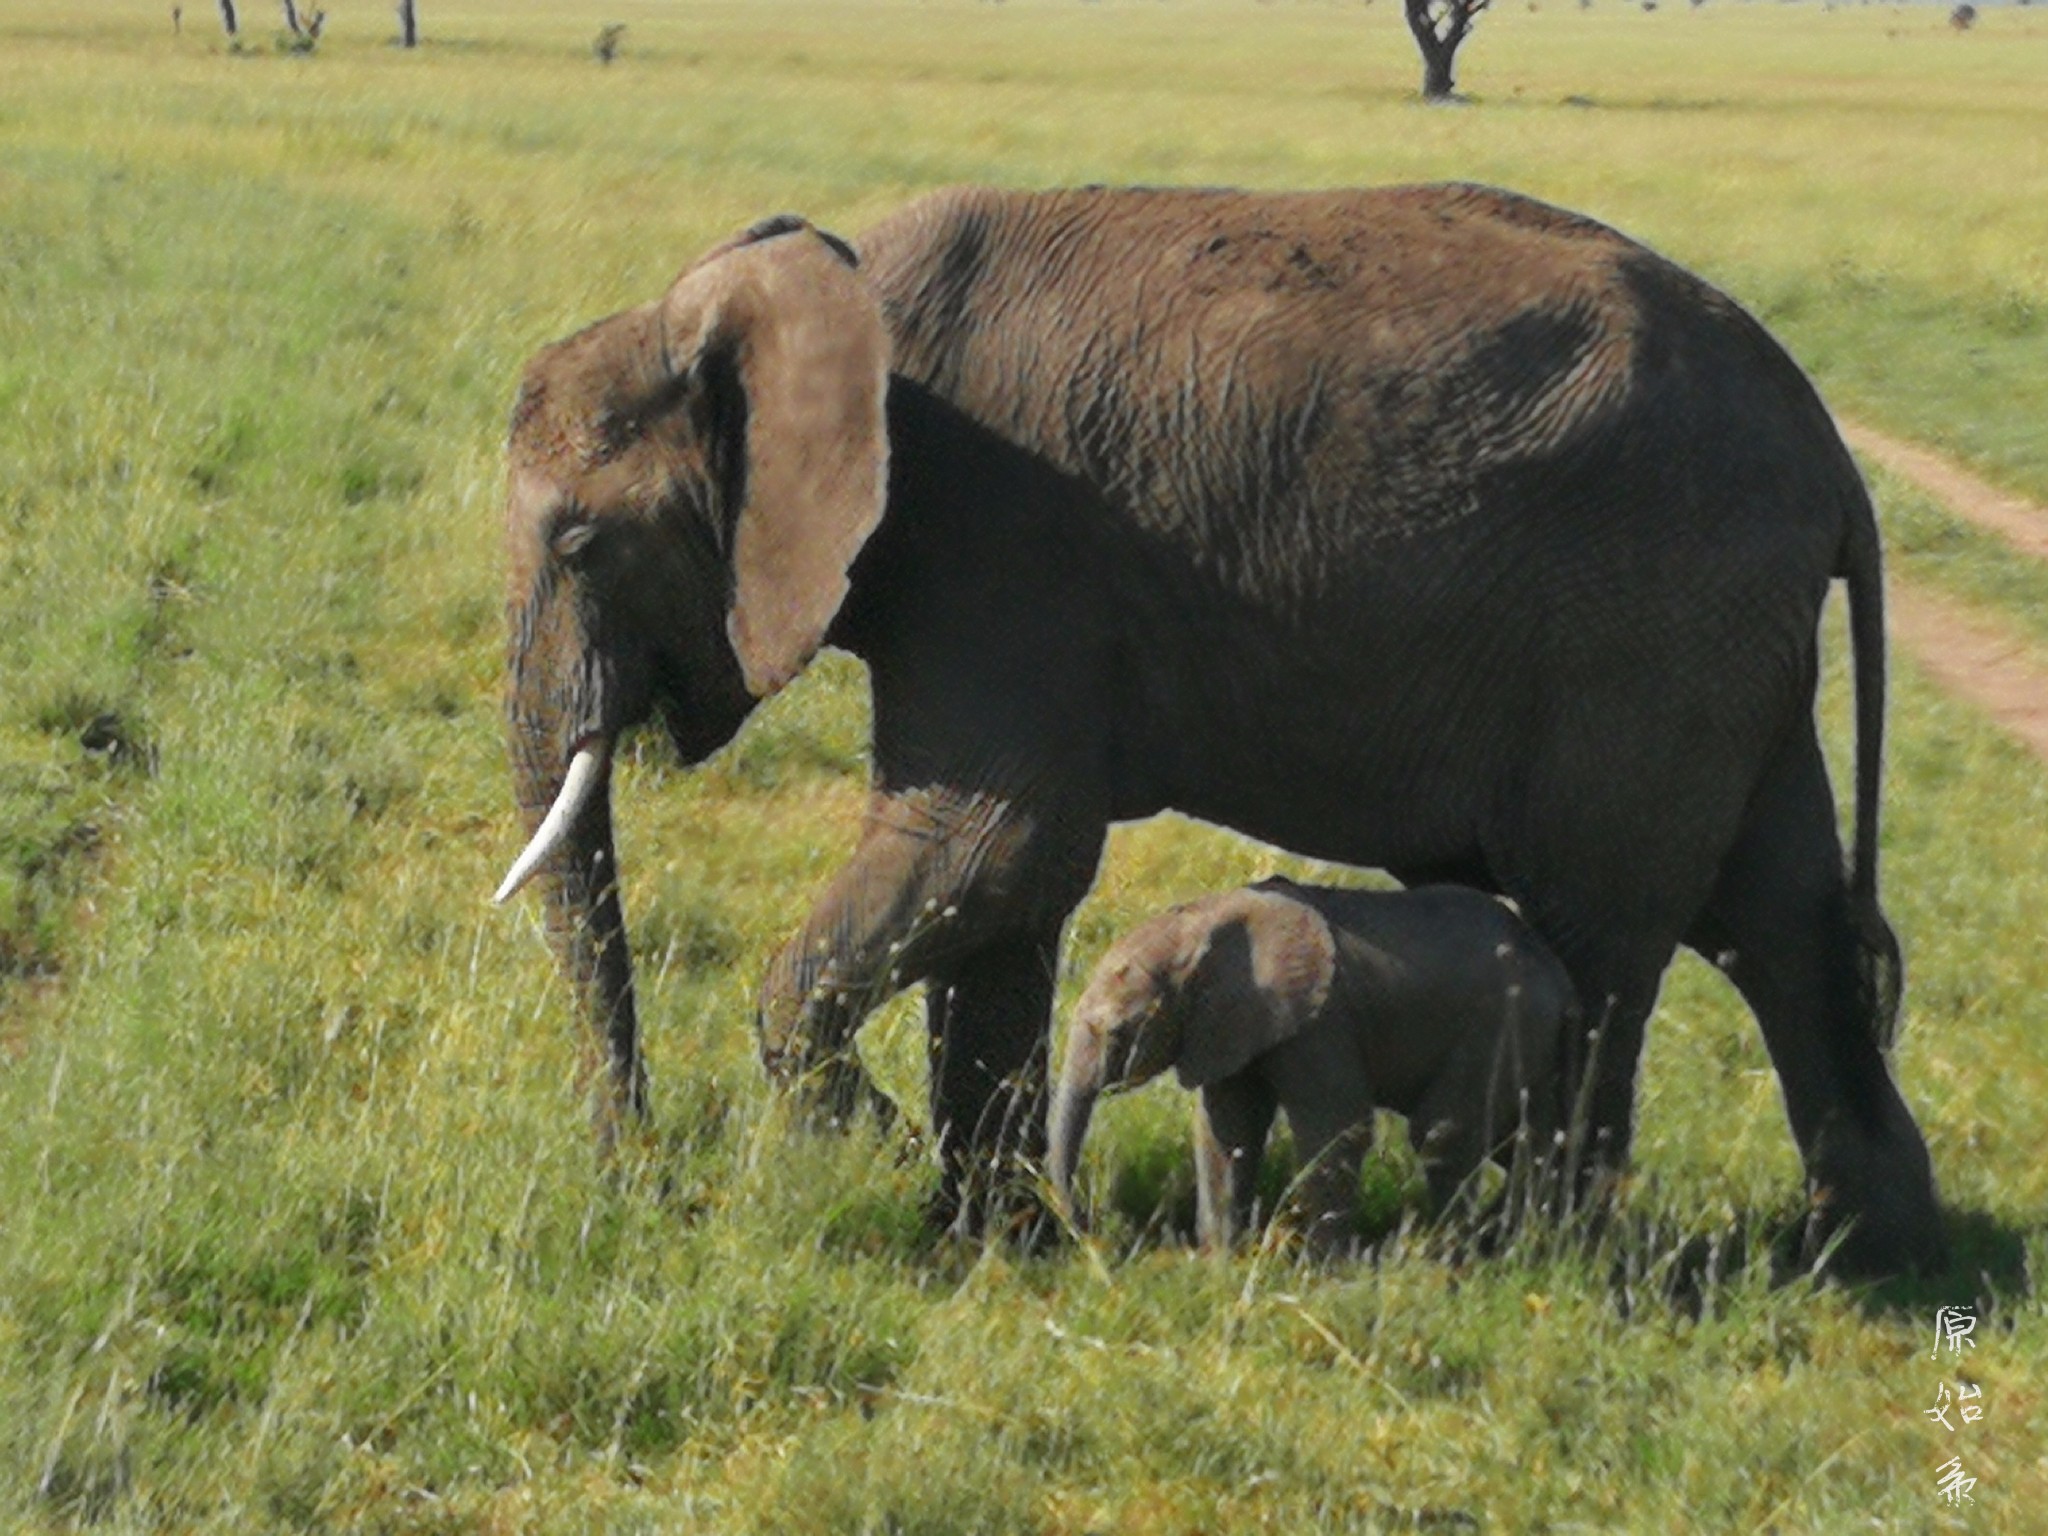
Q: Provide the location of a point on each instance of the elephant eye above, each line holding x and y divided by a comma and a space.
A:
618, 430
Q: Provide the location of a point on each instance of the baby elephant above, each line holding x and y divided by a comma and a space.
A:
1439, 1003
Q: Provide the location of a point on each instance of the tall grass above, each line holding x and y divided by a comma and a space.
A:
298, 1222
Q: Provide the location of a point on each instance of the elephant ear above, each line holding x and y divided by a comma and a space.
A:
1262, 977
803, 333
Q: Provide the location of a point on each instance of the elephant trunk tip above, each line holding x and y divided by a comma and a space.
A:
585, 777
1072, 1109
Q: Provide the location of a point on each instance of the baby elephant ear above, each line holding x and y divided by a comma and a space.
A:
804, 334
1263, 976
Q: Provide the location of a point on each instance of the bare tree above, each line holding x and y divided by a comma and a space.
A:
408, 26
305, 30
1440, 26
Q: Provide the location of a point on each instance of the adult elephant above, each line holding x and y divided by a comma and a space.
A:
1427, 528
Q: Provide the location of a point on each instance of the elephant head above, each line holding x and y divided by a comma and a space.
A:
1204, 989
688, 484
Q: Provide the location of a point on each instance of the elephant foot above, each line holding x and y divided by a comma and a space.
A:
1323, 1218
1330, 1242
1875, 1202
1543, 1201
1560, 1182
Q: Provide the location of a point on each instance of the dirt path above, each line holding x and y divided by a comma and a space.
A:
2019, 522
1972, 655
1972, 659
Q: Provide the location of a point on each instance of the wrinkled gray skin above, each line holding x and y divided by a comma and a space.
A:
1438, 1003
1426, 528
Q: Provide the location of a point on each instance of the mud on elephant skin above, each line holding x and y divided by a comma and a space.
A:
1324, 1004
1425, 528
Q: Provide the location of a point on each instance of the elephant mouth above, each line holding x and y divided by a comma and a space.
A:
589, 767
696, 733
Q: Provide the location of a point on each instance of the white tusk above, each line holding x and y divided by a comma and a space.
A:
586, 772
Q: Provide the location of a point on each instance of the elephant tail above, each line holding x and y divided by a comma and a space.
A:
1880, 970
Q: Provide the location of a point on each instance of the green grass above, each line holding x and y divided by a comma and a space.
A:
299, 1226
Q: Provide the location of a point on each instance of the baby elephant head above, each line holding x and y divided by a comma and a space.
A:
1203, 989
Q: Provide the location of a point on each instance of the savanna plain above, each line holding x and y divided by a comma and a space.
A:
300, 1225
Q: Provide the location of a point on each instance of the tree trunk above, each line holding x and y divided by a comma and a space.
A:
1438, 36
408, 27
1437, 84
227, 16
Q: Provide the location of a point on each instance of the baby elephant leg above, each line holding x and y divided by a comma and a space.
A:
1471, 1117
1322, 1085
1451, 1145
1232, 1118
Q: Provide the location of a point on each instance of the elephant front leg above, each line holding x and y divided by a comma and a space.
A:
1321, 1082
1328, 1198
858, 947
1232, 1120
967, 891
991, 1020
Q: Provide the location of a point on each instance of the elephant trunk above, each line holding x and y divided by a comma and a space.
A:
572, 850
1072, 1106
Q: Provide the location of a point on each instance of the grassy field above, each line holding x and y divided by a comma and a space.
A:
299, 1226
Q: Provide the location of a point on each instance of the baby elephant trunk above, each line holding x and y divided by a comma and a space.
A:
1072, 1106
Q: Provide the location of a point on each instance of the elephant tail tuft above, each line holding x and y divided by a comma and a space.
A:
1880, 972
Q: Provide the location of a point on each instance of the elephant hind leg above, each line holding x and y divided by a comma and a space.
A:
1454, 1132
1616, 962
1780, 925
1610, 854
